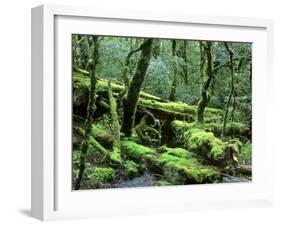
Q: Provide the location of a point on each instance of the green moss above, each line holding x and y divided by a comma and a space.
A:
235, 145
178, 165
82, 81
163, 183
131, 169
115, 157
231, 129
179, 152
170, 106
135, 151
100, 176
245, 155
181, 125
179, 107
205, 143
187, 170
76, 156
100, 133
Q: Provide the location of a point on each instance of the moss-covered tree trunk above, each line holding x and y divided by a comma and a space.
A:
115, 155
202, 60
172, 96
92, 64
210, 75
127, 66
130, 103
231, 85
185, 66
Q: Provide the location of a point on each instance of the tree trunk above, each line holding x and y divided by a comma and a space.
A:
92, 64
232, 86
185, 67
210, 73
127, 66
131, 101
202, 60
115, 155
172, 96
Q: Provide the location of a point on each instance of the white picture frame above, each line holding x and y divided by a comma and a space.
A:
52, 197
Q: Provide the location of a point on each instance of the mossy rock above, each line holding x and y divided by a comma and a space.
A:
131, 169
100, 176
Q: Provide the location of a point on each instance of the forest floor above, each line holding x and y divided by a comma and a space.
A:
168, 146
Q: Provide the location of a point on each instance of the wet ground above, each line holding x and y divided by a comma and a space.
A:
142, 181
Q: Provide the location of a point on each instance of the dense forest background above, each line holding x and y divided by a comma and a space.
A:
160, 112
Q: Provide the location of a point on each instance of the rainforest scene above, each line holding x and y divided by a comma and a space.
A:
160, 112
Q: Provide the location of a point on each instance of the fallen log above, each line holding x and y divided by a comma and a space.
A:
178, 166
244, 169
80, 133
233, 129
104, 137
212, 149
159, 107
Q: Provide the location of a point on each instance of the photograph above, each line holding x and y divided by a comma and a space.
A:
160, 112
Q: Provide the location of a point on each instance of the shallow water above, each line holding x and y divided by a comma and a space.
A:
142, 181
232, 179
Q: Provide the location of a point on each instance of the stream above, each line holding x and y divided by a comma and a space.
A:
142, 181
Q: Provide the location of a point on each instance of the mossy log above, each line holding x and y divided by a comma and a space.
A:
101, 135
213, 149
198, 138
244, 169
178, 166
232, 129
79, 134
205, 143
161, 108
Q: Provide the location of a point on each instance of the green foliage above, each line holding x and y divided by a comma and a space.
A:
245, 156
158, 79
76, 156
163, 183
186, 148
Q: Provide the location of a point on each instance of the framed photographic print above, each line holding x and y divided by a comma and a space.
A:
137, 112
